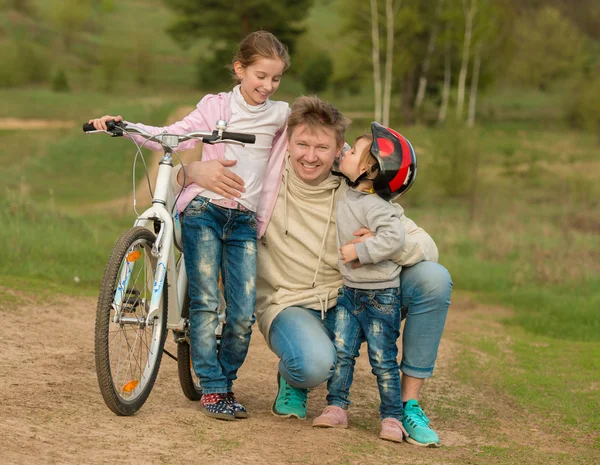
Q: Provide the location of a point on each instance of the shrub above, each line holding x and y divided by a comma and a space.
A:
456, 154
60, 83
316, 72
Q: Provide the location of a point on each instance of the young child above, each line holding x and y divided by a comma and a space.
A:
220, 234
377, 169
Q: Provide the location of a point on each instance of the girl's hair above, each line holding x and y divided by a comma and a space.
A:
315, 114
366, 157
257, 45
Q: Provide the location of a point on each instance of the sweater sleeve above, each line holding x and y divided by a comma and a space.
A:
418, 245
383, 219
197, 120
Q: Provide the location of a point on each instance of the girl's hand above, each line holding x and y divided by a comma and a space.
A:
348, 253
214, 176
100, 123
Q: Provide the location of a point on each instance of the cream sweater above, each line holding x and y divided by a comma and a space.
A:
298, 258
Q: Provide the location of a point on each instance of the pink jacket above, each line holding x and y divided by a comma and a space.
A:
210, 109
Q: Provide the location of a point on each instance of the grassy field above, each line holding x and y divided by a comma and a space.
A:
527, 239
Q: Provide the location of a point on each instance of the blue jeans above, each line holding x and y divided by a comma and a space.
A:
372, 316
219, 239
307, 354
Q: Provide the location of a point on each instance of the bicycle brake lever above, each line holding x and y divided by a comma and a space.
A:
229, 141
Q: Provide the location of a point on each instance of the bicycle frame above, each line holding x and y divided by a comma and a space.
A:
168, 235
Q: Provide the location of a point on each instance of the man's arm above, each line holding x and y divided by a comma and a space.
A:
418, 245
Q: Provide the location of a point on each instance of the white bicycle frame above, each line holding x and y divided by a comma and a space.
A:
168, 236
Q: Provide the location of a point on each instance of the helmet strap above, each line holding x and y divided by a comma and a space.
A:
357, 181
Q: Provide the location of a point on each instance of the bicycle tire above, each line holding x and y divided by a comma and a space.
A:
125, 393
184, 368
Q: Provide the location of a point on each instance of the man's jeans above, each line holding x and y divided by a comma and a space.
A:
216, 238
307, 354
372, 316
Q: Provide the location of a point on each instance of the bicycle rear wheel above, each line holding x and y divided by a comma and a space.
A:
187, 378
129, 347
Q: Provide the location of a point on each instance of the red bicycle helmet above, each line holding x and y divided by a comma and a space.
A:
397, 162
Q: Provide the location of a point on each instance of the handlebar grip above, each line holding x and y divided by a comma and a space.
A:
111, 125
244, 138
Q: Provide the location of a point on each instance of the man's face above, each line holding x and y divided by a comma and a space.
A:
312, 153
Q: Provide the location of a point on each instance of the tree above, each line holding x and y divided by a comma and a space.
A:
470, 9
316, 71
229, 21
542, 57
71, 16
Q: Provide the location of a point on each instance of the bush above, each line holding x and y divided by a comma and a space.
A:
455, 158
60, 83
316, 72
582, 106
24, 63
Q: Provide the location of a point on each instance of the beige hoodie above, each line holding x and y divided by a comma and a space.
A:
297, 257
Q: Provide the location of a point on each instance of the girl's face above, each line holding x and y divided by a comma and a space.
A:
260, 80
350, 162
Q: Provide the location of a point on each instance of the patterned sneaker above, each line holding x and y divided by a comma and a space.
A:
332, 417
290, 401
416, 424
238, 409
391, 430
216, 406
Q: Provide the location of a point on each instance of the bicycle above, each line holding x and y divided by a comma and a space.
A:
143, 292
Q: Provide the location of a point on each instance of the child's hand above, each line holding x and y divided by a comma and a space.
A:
100, 123
348, 253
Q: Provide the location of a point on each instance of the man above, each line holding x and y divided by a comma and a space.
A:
298, 276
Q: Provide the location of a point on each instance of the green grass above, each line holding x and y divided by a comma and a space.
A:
48, 248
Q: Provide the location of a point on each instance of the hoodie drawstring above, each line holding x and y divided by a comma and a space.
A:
323, 307
285, 201
314, 283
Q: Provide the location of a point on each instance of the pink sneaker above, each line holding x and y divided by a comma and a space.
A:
332, 417
392, 430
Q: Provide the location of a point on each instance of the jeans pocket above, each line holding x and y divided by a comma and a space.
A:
385, 301
196, 207
253, 223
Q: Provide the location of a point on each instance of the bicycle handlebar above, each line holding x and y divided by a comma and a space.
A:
118, 128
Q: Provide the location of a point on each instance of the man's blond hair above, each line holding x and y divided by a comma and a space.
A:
315, 113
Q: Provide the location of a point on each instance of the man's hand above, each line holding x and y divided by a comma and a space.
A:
362, 234
348, 253
214, 176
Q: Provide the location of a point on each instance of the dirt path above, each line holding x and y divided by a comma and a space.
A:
51, 409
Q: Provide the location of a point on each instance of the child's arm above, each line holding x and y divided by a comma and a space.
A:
382, 218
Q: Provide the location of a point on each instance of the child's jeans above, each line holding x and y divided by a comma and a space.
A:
372, 316
216, 238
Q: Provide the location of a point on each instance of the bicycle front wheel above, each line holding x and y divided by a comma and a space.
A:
129, 347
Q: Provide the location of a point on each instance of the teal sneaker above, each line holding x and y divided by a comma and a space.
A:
290, 401
416, 424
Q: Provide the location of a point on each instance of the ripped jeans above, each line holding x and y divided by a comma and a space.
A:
219, 239
372, 316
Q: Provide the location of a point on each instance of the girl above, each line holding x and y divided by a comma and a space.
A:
220, 234
377, 169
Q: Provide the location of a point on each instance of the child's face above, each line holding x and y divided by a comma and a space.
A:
350, 162
260, 80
